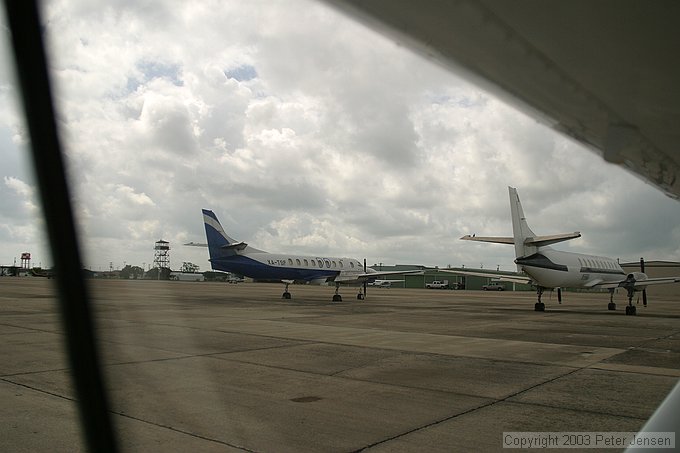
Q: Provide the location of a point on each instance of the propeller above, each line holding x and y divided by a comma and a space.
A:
644, 291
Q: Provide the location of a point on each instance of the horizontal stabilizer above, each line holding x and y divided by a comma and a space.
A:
235, 246
196, 244
495, 240
542, 241
538, 241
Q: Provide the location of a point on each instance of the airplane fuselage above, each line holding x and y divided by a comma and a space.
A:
551, 268
272, 266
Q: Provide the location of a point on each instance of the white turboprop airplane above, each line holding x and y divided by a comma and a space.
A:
546, 268
229, 255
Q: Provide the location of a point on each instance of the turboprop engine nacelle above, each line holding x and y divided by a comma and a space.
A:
637, 276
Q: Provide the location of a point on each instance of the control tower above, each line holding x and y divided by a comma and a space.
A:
161, 255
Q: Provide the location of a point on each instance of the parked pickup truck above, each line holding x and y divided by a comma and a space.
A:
438, 284
494, 286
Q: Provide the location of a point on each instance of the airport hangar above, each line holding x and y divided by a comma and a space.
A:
652, 268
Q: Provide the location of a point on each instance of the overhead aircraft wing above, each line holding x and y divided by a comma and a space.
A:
500, 277
603, 73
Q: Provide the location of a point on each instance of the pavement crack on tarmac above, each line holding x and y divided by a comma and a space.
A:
30, 329
177, 430
642, 346
35, 389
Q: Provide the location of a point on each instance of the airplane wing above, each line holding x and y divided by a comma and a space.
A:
380, 274
603, 73
500, 277
374, 275
640, 284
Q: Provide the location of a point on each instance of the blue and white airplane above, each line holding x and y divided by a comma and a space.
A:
229, 255
545, 268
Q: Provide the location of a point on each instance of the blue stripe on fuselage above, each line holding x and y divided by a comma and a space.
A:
243, 265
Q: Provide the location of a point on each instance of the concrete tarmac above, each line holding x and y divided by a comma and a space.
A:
214, 367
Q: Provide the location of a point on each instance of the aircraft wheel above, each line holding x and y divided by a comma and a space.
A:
360, 297
285, 295
631, 310
539, 306
611, 306
337, 298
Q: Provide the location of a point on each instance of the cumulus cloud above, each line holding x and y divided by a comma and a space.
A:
305, 132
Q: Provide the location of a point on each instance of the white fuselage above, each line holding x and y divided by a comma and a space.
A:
553, 268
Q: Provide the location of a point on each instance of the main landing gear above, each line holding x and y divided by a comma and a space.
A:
286, 294
337, 297
611, 305
539, 306
630, 308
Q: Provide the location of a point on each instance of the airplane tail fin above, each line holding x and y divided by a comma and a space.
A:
525, 241
220, 245
520, 229
215, 235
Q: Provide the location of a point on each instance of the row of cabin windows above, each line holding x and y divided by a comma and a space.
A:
597, 264
321, 263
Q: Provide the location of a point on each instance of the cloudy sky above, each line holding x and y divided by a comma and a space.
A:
306, 133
